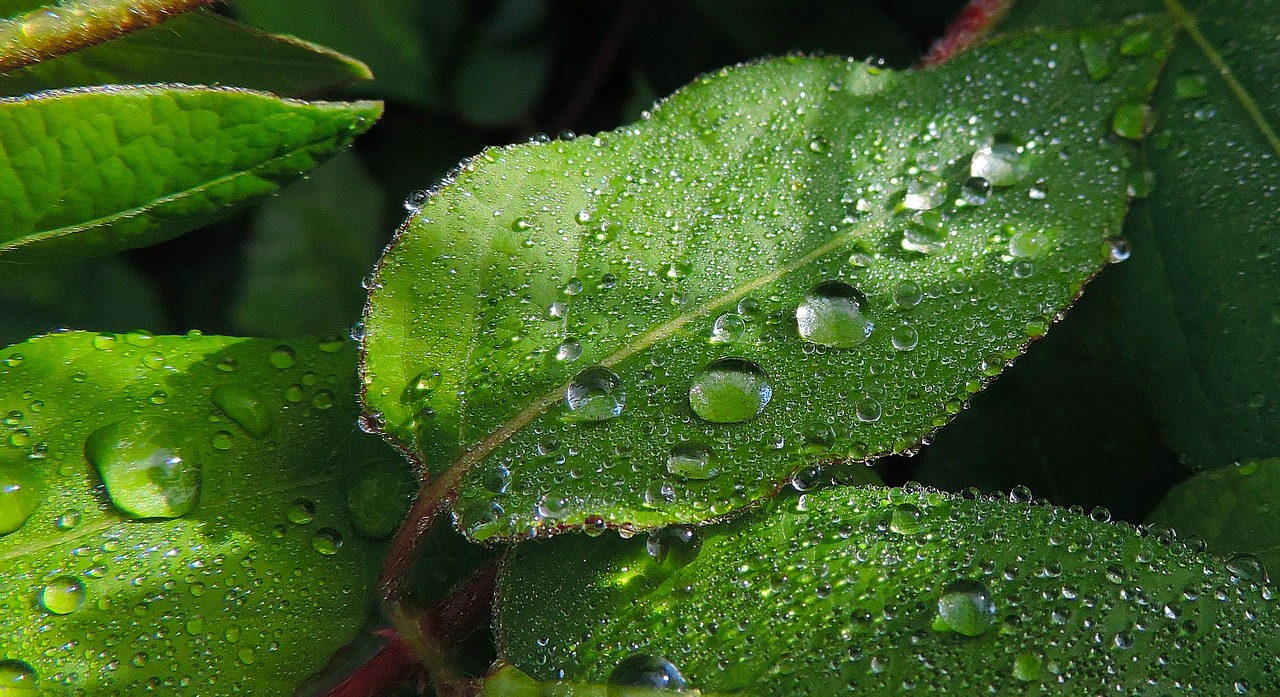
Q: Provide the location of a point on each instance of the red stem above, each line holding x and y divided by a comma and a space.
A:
389, 668
973, 23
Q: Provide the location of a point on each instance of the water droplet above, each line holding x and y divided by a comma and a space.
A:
925, 192
1117, 249
1096, 49
975, 191
68, 520
582, 217
1132, 120
867, 410
283, 357
1030, 244
420, 388
322, 399
104, 342
416, 200
1100, 514
300, 512
553, 505
728, 328
13, 360
19, 496
145, 473
643, 670
675, 270
906, 519
573, 286
139, 338
907, 294
521, 225
1027, 665
17, 679
1191, 86
1136, 44
905, 338
245, 408
63, 595
327, 541
832, 315
595, 394
1247, 567
925, 234
729, 390
674, 545
332, 344
965, 607
659, 493
222, 440
497, 479
692, 460
1000, 164
293, 393
568, 351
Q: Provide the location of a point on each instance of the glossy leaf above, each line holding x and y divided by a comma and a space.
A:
96, 170
1231, 508
196, 48
772, 270
882, 591
248, 591
34, 31
1192, 314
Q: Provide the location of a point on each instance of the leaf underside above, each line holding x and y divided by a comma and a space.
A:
697, 235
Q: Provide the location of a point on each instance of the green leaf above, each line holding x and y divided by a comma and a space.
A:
310, 247
1230, 508
34, 31
190, 511
749, 253
1192, 315
96, 170
197, 48
889, 590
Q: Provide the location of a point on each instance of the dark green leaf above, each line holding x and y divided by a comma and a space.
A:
34, 31
882, 591
505, 67
95, 170
189, 511
310, 249
1231, 508
197, 48
1193, 315
779, 245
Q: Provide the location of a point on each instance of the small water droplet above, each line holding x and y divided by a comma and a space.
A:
1030, 244
659, 493
104, 342
139, 337
906, 519
1001, 164
326, 541
727, 329
13, 360
832, 314
19, 497
595, 394
283, 357
975, 191
729, 390
322, 399
643, 670
144, 470
1132, 120
573, 286
925, 192
62, 596
416, 200
68, 520
965, 607
867, 410
300, 512
1117, 249
1191, 86
521, 225
692, 460
907, 294
568, 351
1027, 666
674, 545
222, 440
905, 338
243, 406
497, 479
553, 505
332, 344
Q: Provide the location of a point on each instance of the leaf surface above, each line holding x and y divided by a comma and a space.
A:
1231, 508
196, 48
264, 575
96, 170
34, 31
773, 268
1193, 314
882, 591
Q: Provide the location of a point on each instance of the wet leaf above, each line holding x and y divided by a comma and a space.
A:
34, 31
96, 170
184, 513
1231, 508
197, 48
790, 261
1193, 314
890, 590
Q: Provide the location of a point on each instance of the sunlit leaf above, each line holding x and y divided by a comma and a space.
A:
34, 31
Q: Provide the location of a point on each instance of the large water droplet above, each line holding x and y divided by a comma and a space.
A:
727, 329
62, 596
283, 357
832, 315
1000, 164
327, 541
19, 496
595, 394
975, 191
692, 460
925, 192
965, 607
143, 468
729, 390
1097, 50
1247, 567
247, 409
643, 670
17, 679
675, 545
1029, 244
1132, 120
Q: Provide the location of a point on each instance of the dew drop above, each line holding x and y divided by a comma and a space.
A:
145, 473
674, 545
420, 387
729, 390
104, 342
975, 191
17, 679
300, 512
497, 479
832, 315
1247, 567
1096, 49
553, 505
1030, 244
68, 520
643, 670
965, 607
692, 460
905, 338
867, 410
659, 493
222, 440
1027, 666
1117, 249
907, 294
1000, 164
63, 595
925, 192
245, 408
906, 519
1132, 120
19, 496
1191, 86
322, 400
727, 329
521, 225
568, 351
326, 541
595, 394
415, 200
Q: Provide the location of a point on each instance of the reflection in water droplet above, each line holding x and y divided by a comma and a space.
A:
975, 191
925, 192
144, 470
867, 410
642, 670
1117, 249
497, 479
965, 607
300, 512
729, 390
62, 596
595, 394
727, 329
692, 460
1000, 164
568, 351
17, 679
674, 545
553, 505
659, 493
905, 519
68, 520
832, 314
19, 496
905, 338
244, 407
326, 541
907, 294
1247, 567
